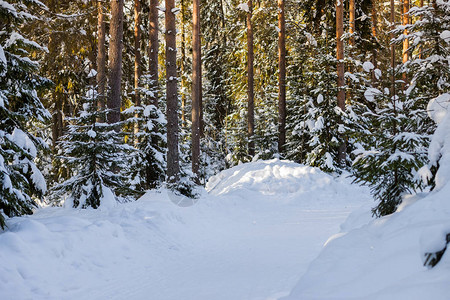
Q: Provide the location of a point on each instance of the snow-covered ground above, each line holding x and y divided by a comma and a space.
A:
251, 237
256, 233
383, 258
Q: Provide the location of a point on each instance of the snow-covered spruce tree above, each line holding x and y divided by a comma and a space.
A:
148, 165
321, 125
20, 107
391, 150
95, 153
429, 67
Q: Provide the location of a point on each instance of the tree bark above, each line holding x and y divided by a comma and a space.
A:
196, 88
250, 81
281, 76
374, 18
101, 57
392, 48
153, 50
340, 53
137, 61
340, 70
115, 61
405, 22
352, 22
420, 46
183, 62
173, 165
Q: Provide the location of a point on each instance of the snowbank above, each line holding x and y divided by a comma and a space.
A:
287, 181
383, 259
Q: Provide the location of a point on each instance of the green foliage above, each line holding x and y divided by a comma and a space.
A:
391, 151
97, 157
21, 182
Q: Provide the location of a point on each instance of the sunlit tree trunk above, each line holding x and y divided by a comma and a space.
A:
137, 60
196, 88
352, 22
183, 62
115, 61
340, 68
405, 22
153, 50
101, 56
250, 81
392, 19
281, 76
374, 18
173, 165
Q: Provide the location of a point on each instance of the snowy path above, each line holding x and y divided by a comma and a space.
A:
258, 259
250, 239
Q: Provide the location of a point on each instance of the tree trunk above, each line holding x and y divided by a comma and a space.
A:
352, 22
405, 22
196, 88
173, 166
137, 62
281, 76
374, 18
115, 61
250, 80
392, 48
340, 69
101, 57
420, 46
183, 63
153, 50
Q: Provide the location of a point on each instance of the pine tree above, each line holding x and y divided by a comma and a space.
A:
21, 182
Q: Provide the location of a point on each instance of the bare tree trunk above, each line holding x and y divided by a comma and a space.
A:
196, 88
153, 50
340, 53
375, 35
115, 61
183, 62
392, 48
352, 21
250, 81
281, 76
101, 57
173, 164
340, 69
57, 124
137, 61
405, 22
420, 46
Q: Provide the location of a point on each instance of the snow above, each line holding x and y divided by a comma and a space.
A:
244, 7
3, 57
445, 35
371, 93
437, 107
91, 133
368, 66
251, 237
22, 140
439, 152
383, 258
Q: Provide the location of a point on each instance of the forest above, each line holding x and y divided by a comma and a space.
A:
101, 97
305, 143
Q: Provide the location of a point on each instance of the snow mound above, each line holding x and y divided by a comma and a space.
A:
272, 177
383, 259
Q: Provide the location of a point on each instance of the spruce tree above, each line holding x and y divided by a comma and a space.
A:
20, 108
95, 153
